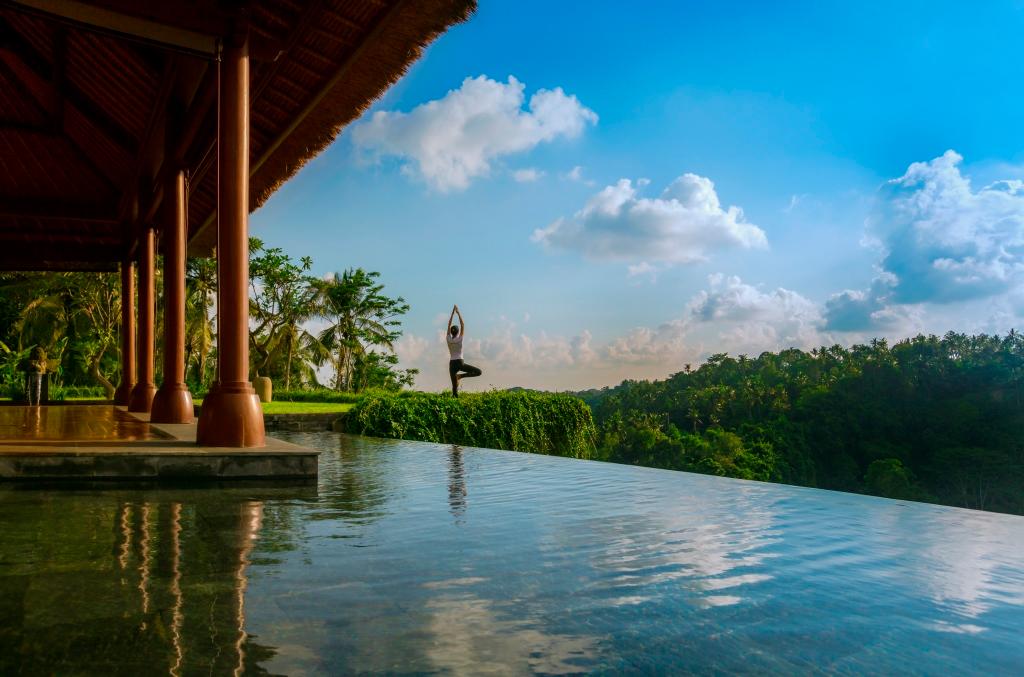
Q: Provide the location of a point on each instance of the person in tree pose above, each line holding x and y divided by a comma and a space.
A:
457, 368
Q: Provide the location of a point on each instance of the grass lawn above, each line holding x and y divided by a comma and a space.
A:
306, 407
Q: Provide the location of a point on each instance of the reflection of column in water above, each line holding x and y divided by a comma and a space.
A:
192, 566
144, 563
125, 522
215, 542
252, 518
177, 616
456, 483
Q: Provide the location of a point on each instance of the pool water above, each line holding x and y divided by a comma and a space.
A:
411, 558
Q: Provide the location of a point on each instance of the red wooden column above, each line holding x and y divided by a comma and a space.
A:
173, 402
231, 415
124, 389
142, 394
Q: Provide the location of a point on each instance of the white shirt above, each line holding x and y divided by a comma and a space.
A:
455, 346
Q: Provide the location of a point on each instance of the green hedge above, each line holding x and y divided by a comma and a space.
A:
542, 423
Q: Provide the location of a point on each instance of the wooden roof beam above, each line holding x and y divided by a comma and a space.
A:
163, 24
54, 127
25, 62
150, 157
8, 238
59, 266
30, 256
47, 210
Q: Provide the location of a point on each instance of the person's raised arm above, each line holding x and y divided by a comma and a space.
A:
450, 318
462, 322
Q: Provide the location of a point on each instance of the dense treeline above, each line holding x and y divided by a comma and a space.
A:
932, 419
543, 423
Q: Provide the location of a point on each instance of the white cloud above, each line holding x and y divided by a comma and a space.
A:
943, 243
749, 320
527, 175
576, 174
685, 224
411, 348
794, 202
642, 269
452, 140
664, 346
517, 350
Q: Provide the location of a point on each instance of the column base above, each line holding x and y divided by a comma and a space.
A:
123, 394
142, 397
231, 416
172, 404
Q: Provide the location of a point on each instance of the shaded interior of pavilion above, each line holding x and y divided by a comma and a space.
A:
129, 130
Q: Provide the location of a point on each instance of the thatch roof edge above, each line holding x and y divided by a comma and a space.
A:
382, 60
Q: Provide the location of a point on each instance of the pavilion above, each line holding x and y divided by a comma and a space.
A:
128, 128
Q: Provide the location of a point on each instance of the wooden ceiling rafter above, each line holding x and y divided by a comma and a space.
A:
158, 24
54, 125
146, 157
20, 55
49, 209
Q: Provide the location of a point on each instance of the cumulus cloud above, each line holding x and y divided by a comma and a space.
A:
513, 349
663, 345
452, 140
944, 241
685, 224
411, 348
872, 310
527, 175
748, 319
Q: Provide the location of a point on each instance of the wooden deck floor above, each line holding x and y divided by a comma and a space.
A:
107, 442
60, 423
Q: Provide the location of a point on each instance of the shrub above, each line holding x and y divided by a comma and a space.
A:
542, 423
77, 392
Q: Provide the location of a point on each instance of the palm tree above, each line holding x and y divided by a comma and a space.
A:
97, 300
200, 291
361, 317
80, 309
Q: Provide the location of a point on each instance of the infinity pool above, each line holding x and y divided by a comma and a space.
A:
410, 558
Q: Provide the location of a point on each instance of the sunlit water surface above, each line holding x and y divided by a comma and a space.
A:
411, 558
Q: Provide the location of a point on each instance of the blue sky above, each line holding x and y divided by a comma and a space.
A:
612, 193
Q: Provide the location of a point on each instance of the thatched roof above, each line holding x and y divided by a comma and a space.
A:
98, 99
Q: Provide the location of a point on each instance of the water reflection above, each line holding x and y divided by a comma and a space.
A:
555, 566
143, 583
456, 483
467, 635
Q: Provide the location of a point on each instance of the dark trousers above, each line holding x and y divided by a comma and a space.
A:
467, 371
